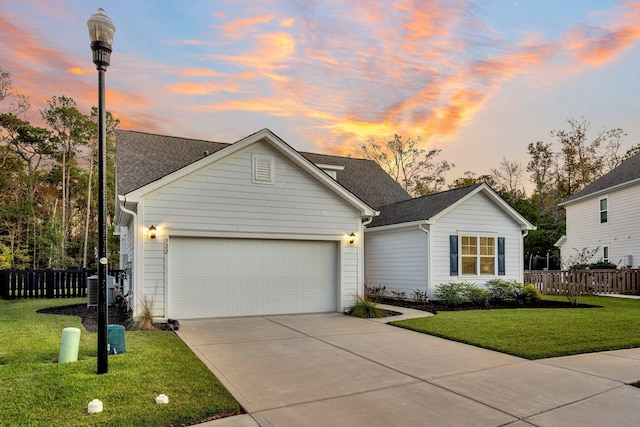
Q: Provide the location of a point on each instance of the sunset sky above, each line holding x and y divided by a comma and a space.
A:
478, 79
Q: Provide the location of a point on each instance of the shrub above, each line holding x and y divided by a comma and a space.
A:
375, 292
399, 294
529, 294
503, 289
144, 319
600, 265
477, 296
452, 294
420, 296
366, 309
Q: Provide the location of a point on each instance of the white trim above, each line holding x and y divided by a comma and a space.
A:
600, 210
478, 235
178, 232
399, 225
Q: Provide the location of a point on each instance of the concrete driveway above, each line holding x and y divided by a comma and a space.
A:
336, 370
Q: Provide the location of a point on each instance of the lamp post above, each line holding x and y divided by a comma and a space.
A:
101, 31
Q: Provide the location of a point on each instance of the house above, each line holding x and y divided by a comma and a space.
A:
210, 229
467, 234
603, 219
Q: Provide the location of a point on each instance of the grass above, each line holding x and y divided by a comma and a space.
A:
366, 309
38, 392
535, 333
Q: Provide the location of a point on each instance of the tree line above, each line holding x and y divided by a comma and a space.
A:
48, 179
48, 182
558, 168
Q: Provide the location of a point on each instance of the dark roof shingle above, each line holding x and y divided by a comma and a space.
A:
420, 208
142, 158
627, 171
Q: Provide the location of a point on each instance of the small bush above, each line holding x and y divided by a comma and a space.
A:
529, 294
501, 289
599, 265
420, 296
452, 294
399, 294
366, 309
143, 321
375, 292
477, 296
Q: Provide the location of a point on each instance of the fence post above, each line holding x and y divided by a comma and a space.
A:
4, 284
50, 280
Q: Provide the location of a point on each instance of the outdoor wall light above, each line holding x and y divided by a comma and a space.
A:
352, 238
153, 232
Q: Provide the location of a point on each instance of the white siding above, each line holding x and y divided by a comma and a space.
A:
475, 215
222, 201
397, 259
621, 232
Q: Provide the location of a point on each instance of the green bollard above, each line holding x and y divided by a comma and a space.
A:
69, 345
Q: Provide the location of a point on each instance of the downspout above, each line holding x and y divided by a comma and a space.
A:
427, 231
525, 233
134, 215
365, 221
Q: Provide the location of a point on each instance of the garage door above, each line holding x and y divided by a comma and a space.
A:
244, 277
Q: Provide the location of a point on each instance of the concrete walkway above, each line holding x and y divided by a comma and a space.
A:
336, 370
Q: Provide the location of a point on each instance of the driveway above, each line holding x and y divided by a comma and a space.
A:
336, 370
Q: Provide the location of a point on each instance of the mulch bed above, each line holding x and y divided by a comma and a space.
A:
434, 307
115, 316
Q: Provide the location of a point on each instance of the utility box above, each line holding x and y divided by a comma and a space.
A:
115, 339
92, 290
69, 345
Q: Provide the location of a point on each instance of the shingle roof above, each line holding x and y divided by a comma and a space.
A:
142, 158
626, 172
420, 208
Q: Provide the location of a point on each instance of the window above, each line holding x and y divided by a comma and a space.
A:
478, 255
605, 253
604, 210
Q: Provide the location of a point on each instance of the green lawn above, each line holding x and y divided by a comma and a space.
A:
35, 391
539, 333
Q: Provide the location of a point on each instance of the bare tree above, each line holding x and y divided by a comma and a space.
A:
508, 178
411, 166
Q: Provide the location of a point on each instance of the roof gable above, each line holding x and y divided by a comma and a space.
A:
627, 173
433, 206
143, 159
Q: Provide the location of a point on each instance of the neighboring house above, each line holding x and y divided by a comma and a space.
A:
467, 234
604, 219
252, 228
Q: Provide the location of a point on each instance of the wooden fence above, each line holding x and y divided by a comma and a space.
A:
15, 284
585, 282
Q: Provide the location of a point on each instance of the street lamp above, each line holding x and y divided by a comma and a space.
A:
101, 32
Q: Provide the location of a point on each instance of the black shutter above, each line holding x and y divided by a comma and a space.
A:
501, 263
453, 255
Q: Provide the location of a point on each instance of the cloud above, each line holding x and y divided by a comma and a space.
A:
598, 45
239, 27
187, 88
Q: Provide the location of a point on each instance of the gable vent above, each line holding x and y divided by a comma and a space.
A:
263, 169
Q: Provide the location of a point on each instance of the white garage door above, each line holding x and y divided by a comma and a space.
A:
243, 277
